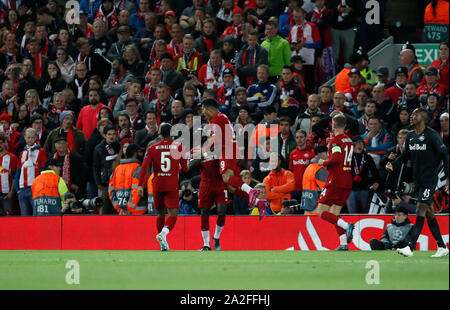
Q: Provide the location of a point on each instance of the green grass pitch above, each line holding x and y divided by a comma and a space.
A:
225, 270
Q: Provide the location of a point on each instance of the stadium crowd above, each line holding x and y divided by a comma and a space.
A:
81, 93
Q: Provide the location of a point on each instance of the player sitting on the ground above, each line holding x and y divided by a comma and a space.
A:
395, 233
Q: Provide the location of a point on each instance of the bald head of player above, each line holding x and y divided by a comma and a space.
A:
419, 118
210, 108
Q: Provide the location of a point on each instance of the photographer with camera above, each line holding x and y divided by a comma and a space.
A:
188, 198
426, 150
83, 206
395, 234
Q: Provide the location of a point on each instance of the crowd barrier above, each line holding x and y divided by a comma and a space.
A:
104, 232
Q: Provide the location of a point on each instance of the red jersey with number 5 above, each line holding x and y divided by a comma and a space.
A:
166, 157
339, 162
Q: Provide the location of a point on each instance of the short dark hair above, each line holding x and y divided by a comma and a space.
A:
108, 128
132, 149
165, 129
210, 103
286, 119
320, 149
127, 101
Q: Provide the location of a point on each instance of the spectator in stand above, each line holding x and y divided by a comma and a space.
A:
370, 109
342, 81
365, 178
210, 74
444, 128
208, 40
153, 80
79, 83
382, 73
75, 138
326, 98
410, 100
250, 58
403, 121
189, 60
133, 90
279, 183
149, 133
286, 140
175, 46
279, 51
226, 94
73, 167
344, 19
395, 178
240, 206
292, 94
299, 159
57, 107
235, 29
432, 107
52, 82
260, 166
303, 120
87, 119
8, 162
286, 19
442, 64
362, 97
397, 91
173, 78
351, 93
133, 61
408, 59
263, 93
386, 109
31, 160
12, 136
104, 154
305, 41
137, 18
117, 48
116, 82
378, 140
162, 104
260, 15
431, 84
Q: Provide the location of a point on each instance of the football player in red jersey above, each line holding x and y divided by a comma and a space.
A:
166, 157
339, 180
223, 136
212, 191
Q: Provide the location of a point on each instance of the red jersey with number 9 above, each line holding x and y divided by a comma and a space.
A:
339, 162
166, 157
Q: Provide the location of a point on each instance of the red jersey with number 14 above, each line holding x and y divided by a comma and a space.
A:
339, 162
166, 157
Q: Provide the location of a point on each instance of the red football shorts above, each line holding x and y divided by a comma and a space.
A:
210, 194
334, 196
170, 200
232, 164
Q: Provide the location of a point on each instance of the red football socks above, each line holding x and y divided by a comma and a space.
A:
160, 223
330, 217
170, 223
205, 222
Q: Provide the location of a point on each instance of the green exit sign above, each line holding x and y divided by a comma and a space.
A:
426, 53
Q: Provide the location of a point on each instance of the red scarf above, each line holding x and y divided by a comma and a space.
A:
177, 48
15, 27
44, 51
111, 18
141, 15
159, 110
250, 79
38, 65
89, 33
66, 167
209, 44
